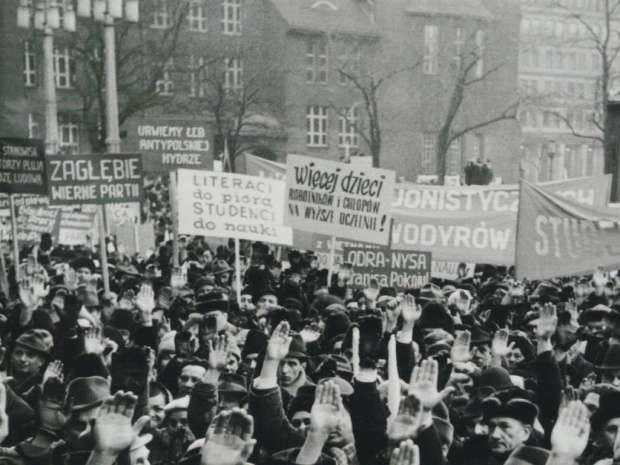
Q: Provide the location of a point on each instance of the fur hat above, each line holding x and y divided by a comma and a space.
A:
509, 406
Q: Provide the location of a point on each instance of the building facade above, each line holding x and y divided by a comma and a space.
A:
303, 70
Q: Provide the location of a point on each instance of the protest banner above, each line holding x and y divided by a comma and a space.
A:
339, 199
560, 237
74, 227
169, 144
231, 205
452, 271
22, 166
32, 221
95, 179
401, 269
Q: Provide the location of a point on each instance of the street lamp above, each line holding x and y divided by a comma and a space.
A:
45, 15
551, 155
106, 11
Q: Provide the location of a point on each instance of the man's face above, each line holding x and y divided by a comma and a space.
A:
207, 257
222, 278
204, 290
267, 301
176, 419
301, 421
232, 364
25, 361
83, 275
190, 375
290, 371
610, 433
506, 434
221, 318
481, 356
78, 424
228, 401
514, 358
245, 303
595, 328
611, 377
476, 427
156, 410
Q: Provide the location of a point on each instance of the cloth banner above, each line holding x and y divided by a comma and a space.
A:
557, 236
470, 224
22, 166
231, 205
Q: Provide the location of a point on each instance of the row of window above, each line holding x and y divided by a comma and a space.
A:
576, 90
578, 120
230, 20
430, 61
64, 67
589, 5
317, 130
574, 61
68, 131
560, 29
429, 155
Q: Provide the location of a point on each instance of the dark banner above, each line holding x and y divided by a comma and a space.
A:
22, 166
95, 179
166, 145
402, 269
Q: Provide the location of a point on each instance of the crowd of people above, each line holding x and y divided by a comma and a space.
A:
183, 365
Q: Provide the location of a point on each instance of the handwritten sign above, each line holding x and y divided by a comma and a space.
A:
232, 205
167, 144
94, 179
22, 166
338, 199
74, 228
401, 269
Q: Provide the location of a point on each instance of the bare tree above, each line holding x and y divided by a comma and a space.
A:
143, 58
470, 71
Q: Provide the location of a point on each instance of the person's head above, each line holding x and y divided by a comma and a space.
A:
221, 272
138, 452
231, 392
606, 420
206, 257
246, 302
510, 422
292, 368
203, 286
610, 370
84, 269
481, 355
275, 269
158, 399
82, 403
193, 371
30, 352
176, 414
267, 299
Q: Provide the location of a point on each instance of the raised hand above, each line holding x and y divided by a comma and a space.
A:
407, 422
587, 383
27, 293
4, 418
40, 288
279, 343
50, 405
547, 322
423, 385
460, 349
229, 439
145, 302
500, 347
53, 370
91, 284
409, 310
71, 280
327, 408
218, 352
572, 308
569, 437
600, 277
570, 394
310, 333
392, 312
355, 347
93, 341
178, 279
372, 291
393, 396
406, 454
112, 430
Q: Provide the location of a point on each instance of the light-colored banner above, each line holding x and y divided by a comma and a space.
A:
559, 237
231, 205
339, 199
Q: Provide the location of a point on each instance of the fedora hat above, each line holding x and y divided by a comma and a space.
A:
232, 383
221, 266
84, 393
611, 362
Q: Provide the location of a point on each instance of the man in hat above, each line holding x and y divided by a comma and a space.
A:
481, 351
292, 366
606, 425
221, 272
84, 269
231, 391
192, 371
610, 369
30, 353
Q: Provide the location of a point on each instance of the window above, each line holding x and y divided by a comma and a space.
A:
535, 59
453, 167
480, 53
33, 127
63, 68
68, 131
196, 77
233, 74
350, 63
317, 126
348, 135
431, 34
197, 16
30, 71
458, 48
161, 15
428, 152
572, 61
559, 58
165, 86
316, 61
231, 17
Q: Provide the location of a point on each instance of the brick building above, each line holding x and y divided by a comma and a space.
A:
299, 56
